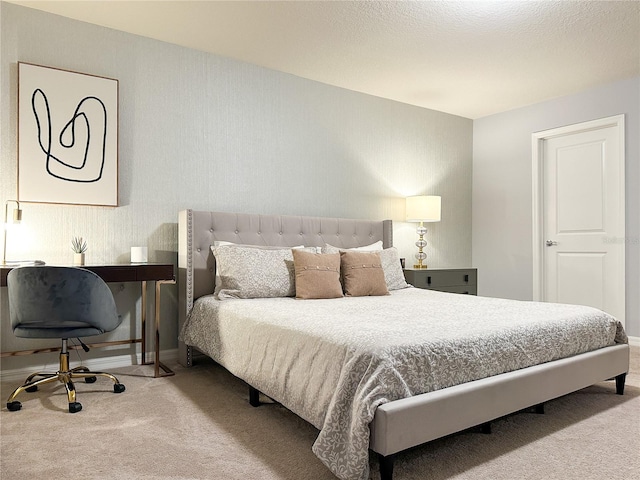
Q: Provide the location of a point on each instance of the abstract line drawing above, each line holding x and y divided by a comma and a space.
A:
68, 137
92, 162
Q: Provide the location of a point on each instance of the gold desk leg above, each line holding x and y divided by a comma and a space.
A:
157, 363
143, 320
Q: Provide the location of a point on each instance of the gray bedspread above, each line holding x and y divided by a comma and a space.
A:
332, 362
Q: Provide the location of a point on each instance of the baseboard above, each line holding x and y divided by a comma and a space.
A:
634, 341
96, 364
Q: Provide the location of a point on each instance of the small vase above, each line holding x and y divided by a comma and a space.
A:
78, 258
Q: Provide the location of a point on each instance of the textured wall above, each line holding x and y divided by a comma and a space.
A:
502, 192
205, 132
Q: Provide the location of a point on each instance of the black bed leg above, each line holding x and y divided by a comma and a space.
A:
620, 379
485, 428
386, 466
539, 409
254, 397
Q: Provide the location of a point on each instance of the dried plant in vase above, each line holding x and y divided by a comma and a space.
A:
79, 247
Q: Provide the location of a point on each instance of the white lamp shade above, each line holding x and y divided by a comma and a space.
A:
423, 208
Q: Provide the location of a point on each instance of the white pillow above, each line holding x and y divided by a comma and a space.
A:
224, 243
374, 247
219, 243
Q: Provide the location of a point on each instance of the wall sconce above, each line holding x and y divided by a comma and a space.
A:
423, 208
16, 219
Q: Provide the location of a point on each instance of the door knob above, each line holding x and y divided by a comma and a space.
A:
551, 243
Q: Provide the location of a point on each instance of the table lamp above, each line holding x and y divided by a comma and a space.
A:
423, 208
17, 218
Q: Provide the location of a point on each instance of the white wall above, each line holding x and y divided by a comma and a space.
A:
502, 193
205, 132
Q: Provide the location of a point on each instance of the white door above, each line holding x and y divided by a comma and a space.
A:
581, 227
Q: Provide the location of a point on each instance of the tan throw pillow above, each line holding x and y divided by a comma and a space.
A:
317, 275
362, 274
390, 261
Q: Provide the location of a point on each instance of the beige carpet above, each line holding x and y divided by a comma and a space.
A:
199, 425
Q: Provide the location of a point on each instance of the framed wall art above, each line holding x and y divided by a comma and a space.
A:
67, 137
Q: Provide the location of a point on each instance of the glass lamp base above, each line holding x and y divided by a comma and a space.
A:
421, 257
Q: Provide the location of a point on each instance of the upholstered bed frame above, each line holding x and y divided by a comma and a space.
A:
405, 423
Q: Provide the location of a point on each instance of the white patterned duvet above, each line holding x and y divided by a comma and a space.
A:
332, 362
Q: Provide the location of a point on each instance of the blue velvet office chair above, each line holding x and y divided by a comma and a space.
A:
60, 302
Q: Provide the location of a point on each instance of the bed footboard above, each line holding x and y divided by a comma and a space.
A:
456, 408
408, 422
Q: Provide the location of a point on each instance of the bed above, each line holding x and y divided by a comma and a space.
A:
264, 341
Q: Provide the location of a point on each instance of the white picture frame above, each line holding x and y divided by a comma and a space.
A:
67, 137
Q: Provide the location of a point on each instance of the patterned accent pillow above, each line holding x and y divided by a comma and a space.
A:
317, 275
390, 260
220, 243
362, 274
249, 272
393, 274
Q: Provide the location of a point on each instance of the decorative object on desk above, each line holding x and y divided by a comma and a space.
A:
423, 208
79, 247
16, 219
139, 254
68, 137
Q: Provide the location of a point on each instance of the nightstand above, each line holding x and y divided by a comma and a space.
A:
453, 280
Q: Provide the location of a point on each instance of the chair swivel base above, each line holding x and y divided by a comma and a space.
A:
64, 376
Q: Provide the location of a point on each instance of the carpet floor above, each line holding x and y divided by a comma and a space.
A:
198, 424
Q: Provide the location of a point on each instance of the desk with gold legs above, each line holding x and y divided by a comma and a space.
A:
160, 273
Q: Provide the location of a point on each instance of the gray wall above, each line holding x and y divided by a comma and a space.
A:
502, 192
204, 132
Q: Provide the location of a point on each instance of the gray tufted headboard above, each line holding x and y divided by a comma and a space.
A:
198, 230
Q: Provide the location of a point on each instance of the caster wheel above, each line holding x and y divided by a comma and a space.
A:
118, 388
14, 406
90, 379
31, 389
75, 407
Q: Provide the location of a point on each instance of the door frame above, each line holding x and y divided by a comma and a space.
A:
537, 148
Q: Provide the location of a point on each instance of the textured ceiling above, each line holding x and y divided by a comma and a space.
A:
469, 58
